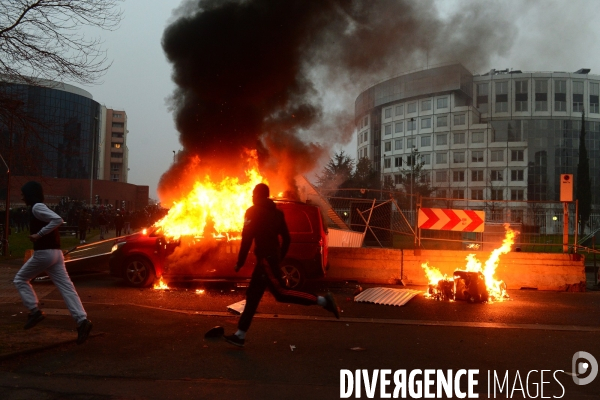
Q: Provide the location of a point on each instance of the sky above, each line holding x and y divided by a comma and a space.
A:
550, 35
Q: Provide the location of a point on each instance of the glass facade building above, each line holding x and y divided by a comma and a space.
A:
502, 135
51, 131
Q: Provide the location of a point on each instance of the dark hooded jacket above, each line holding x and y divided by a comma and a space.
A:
263, 224
33, 194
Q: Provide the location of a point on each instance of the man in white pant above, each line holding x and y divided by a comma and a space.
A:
48, 257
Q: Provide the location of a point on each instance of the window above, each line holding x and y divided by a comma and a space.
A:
116, 155
477, 137
442, 121
594, 98
397, 162
426, 105
497, 194
442, 103
115, 167
387, 180
459, 157
560, 95
117, 135
497, 155
387, 129
425, 123
440, 193
516, 215
116, 145
114, 177
398, 144
425, 141
516, 194
388, 113
521, 95
459, 138
366, 136
441, 176
541, 95
501, 96
477, 156
411, 125
477, 176
118, 125
411, 160
411, 108
387, 162
387, 145
516, 155
459, 119
115, 115
458, 194
426, 159
400, 109
482, 97
397, 179
366, 121
441, 139
496, 176
477, 194
516, 175
458, 176
399, 127
441, 158
577, 96
425, 177
410, 143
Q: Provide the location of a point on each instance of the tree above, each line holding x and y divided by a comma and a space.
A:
43, 39
337, 173
584, 189
365, 177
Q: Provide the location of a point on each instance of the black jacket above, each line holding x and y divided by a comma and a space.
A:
264, 224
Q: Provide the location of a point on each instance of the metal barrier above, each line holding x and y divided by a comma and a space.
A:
389, 219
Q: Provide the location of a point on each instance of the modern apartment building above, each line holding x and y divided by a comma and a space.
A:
113, 149
501, 135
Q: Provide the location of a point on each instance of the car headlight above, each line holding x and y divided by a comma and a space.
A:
117, 246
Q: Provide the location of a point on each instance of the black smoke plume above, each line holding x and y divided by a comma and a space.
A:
281, 76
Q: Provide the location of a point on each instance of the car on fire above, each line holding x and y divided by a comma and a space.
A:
143, 257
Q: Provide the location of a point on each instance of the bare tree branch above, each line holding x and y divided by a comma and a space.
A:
43, 39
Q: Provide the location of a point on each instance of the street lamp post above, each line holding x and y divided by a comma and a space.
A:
94, 134
7, 213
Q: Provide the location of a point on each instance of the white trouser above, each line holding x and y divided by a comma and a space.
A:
53, 263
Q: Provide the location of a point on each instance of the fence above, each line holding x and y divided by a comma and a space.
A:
389, 219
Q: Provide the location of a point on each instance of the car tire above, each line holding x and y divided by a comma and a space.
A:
291, 275
138, 272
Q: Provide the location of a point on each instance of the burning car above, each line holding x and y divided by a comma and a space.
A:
143, 257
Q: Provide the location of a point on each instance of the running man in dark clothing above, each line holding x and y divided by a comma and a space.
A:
264, 224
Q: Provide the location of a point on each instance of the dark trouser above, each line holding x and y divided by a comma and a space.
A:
269, 276
82, 233
118, 231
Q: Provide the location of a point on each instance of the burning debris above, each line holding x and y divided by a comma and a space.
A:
476, 283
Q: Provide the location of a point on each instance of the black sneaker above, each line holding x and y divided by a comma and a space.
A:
83, 331
234, 340
332, 305
34, 318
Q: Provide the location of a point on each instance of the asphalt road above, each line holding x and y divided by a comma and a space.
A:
150, 344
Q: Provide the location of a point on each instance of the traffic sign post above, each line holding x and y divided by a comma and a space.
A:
566, 196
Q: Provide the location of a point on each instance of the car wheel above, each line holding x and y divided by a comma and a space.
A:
139, 272
292, 276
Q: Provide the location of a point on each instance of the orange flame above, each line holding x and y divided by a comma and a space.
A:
212, 208
161, 285
496, 288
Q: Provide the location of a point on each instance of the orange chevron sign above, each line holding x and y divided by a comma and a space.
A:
451, 220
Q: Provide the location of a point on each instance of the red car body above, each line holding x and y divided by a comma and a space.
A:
142, 257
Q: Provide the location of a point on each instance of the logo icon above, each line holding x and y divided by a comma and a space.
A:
581, 367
